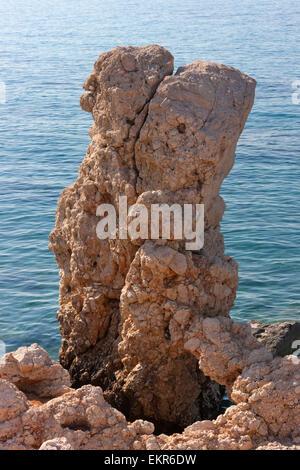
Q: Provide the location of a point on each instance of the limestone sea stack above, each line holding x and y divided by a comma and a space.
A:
156, 138
146, 333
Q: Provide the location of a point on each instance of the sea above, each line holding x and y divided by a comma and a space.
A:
47, 50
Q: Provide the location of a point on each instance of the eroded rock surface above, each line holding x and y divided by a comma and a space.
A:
267, 415
156, 138
33, 371
149, 320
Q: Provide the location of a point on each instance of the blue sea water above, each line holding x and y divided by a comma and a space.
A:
48, 49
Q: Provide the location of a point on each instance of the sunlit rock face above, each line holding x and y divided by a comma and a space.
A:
127, 306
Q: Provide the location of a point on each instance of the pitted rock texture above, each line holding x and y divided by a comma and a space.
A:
156, 138
67, 419
267, 414
33, 371
224, 348
79, 419
164, 290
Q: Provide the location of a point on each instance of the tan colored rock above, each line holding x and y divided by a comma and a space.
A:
93, 271
272, 390
137, 316
58, 443
33, 371
156, 137
223, 347
269, 387
78, 419
267, 416
13, 404
185, 150
82, 417
153, 326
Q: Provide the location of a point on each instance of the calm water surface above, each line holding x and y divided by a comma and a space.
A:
48, 49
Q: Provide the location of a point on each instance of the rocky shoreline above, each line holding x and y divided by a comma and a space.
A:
40, 410
148, 345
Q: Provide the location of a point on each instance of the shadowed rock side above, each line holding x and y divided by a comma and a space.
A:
280, 338
156, 138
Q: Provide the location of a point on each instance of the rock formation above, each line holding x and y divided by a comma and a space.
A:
282, 338
77, 419
34, 372
148, 320
267, 392
124, 304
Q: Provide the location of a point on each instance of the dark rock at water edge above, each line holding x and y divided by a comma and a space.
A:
279, 338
